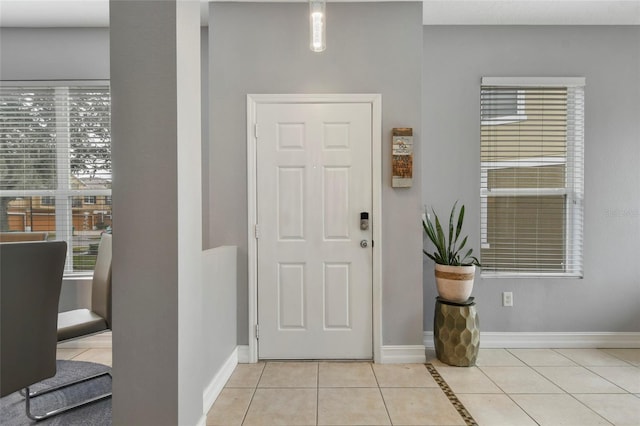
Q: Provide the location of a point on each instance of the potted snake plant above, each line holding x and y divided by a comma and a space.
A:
454, 270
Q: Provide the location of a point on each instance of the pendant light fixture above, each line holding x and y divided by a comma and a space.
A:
317, 25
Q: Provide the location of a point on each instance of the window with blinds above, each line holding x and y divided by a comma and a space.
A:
532, 174
55, 164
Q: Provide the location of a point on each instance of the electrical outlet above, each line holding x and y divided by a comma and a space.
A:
507, 298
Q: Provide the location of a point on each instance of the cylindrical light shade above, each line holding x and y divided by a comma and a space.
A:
317, 25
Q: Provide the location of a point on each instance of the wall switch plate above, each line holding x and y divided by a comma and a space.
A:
507, 298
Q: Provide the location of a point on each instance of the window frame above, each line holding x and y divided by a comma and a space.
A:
574, 194
64, 193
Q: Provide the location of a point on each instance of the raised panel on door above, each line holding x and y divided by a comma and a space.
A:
291, 296
314, 279
290, 203
336, 299
335, 203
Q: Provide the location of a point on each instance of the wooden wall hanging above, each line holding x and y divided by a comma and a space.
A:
402, 158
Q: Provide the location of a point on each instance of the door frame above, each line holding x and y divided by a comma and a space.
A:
375, 100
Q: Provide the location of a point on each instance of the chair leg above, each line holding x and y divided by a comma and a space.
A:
38, 417
64, 385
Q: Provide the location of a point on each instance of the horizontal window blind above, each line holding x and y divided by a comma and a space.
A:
55, 165
532, 177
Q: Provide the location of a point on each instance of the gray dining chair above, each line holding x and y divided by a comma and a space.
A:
83, 322
61, 326
30, 281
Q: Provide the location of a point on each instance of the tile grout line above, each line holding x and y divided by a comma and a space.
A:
77, 355
457, 404
555, 350
253, 394
508, 395
584, 367
589, 408
594, 365
564, 391
490, 379
384, 402
244, 418
522, 408
589, 368
480, 368
573, 363
618, 357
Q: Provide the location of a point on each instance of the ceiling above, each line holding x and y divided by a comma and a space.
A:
95, 13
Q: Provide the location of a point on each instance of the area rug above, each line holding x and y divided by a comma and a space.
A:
457, 404
12, 407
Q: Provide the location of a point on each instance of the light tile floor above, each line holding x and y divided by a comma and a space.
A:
510, 387
96, 348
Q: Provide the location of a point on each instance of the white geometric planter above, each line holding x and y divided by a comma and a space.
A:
454, 283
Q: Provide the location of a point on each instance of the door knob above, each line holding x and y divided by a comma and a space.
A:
364, 243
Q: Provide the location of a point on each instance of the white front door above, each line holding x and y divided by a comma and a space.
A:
314, 260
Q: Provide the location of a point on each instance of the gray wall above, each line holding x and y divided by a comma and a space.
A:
455, 58
371, 48
157, 261
83, 53
145, 310
54, 54
219, 285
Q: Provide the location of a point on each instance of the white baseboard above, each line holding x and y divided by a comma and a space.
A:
405, 354
243, 354
202, 421
551, 340
216, 385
